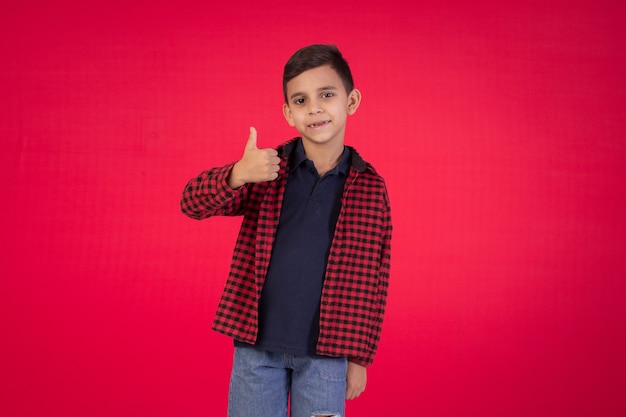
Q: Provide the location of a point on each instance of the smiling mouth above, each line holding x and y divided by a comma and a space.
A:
319, 124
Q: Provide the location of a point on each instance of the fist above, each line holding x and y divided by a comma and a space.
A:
256, 165
356, 379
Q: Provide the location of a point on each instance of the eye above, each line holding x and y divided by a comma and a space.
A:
298, 101
327, 95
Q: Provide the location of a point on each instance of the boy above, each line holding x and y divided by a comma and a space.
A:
306, 293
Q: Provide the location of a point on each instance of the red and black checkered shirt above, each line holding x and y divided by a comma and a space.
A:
357, 271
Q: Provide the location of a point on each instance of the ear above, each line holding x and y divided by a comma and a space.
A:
288, 115
354, 99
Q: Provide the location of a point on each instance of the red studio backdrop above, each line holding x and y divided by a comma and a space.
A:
499, 128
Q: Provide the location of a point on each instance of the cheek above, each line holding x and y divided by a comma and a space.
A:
292, 120
297, 118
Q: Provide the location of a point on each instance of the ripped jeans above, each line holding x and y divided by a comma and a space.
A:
265, 384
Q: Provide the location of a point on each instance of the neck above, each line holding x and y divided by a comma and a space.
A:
324, 157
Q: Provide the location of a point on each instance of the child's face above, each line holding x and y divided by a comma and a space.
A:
318, 105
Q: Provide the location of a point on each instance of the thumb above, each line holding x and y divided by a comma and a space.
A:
251, 144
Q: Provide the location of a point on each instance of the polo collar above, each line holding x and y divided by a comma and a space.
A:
286, 150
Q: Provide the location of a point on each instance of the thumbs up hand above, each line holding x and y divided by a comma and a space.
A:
256, 165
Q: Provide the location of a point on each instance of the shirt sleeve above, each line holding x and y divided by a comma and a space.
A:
383, 278
209, 194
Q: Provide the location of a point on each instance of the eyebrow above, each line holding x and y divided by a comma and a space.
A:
325, 88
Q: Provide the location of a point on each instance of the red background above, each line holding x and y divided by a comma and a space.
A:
500, 130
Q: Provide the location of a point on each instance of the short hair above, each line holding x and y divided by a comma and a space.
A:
314, 56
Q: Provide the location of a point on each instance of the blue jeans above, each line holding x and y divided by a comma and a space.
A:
263, 383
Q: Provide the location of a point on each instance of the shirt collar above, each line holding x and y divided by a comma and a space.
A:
298, 157
287, 149
344, 165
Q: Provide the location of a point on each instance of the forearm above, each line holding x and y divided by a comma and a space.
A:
210, 194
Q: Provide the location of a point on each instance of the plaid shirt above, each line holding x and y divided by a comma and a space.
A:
357, 271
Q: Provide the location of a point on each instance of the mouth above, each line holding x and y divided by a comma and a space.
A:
318, 124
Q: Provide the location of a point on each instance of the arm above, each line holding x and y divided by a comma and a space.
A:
209, 195
219, 191
356, 377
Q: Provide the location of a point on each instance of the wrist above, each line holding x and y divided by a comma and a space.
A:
233, 179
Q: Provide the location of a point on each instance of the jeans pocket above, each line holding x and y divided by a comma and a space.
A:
331, 369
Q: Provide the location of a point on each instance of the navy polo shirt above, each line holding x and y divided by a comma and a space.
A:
290, 301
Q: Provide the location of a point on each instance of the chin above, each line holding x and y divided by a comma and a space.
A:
320, 140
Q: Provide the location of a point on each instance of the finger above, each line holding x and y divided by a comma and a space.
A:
251, 144
273, 169
275, 160
354, 392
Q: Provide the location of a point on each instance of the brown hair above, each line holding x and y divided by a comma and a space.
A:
314, 56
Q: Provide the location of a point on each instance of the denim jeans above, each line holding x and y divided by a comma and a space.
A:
264, 383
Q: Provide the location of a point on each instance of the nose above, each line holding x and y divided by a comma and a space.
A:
314, 107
